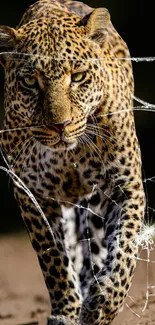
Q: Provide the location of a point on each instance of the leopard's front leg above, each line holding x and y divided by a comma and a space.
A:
53, 256
123, 221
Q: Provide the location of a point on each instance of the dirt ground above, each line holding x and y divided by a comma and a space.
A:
24, 298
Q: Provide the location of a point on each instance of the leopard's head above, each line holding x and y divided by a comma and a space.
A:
55, 79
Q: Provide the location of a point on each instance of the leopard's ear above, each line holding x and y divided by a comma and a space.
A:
8, 41
96, 24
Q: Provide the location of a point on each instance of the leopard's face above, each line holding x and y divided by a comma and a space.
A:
53, 84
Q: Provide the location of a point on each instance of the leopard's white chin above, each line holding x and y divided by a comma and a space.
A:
63, 145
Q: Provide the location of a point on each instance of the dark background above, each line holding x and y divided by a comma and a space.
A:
134, 20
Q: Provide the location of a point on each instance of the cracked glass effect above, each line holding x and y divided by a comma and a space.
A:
145, 240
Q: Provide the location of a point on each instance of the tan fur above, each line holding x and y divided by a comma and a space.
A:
69, 134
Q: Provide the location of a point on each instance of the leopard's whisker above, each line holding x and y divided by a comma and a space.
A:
104, 137
87, 143
23, 149
20, 128
94, 147
103, 129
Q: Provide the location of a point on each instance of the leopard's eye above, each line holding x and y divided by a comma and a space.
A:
77, 77
29, 82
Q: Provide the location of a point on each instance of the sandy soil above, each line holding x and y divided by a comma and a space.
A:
24, 298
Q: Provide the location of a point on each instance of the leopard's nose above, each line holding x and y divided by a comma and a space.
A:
59, 127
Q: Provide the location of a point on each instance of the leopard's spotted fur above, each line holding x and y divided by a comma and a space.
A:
69, 135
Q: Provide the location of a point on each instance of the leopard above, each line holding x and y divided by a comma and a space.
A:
70, 144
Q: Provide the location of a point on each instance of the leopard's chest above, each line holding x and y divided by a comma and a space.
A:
64, 178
